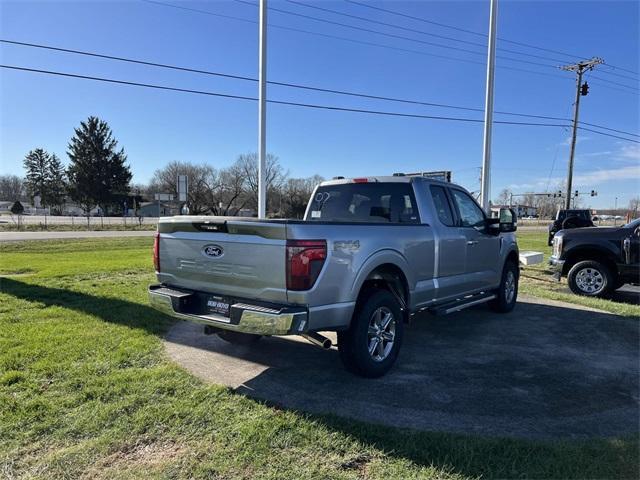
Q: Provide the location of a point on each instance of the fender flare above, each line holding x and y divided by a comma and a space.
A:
381, 257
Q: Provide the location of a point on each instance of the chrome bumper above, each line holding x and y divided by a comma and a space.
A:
243, 317
557, 266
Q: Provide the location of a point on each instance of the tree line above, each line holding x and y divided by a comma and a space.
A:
98, 176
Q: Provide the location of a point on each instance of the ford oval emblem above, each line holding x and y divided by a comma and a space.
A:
213, 251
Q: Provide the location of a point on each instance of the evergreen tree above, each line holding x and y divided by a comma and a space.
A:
37, 180
17, 208
57, 187
98, 172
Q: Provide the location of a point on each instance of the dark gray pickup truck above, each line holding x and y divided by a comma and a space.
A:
598, 260
369, 255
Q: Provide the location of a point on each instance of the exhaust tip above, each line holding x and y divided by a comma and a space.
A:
318, 340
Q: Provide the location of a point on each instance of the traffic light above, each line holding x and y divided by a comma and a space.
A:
594, 193
584, 89
576, 194
560, 193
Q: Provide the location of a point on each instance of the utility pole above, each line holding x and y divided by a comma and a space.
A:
581, 90
262, 112
485, 186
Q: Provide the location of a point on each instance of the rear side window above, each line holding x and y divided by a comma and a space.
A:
441, 203
365, 203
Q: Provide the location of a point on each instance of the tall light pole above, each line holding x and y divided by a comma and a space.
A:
485, 188
262, 112
581, 90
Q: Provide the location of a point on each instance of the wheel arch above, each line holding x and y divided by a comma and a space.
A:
388, 276
513, 256
590, 252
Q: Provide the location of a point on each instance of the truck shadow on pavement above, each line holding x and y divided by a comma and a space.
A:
542, 371
627, 294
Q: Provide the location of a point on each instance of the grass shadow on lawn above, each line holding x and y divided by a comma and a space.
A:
109, 309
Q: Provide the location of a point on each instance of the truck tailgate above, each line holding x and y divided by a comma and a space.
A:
227, 256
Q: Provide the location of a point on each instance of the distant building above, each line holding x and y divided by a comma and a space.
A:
155, 209
522, 211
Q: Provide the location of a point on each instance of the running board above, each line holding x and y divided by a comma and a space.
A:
462, 303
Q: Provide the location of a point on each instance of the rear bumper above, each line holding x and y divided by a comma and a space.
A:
243, 317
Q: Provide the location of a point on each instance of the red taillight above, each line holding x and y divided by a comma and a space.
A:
156, 252
360, 180
305, 259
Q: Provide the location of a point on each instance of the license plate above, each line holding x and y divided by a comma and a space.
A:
219, 305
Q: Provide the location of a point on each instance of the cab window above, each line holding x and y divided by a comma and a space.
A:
470, 213
441, 202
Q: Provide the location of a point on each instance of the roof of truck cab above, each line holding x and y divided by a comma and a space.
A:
384, 179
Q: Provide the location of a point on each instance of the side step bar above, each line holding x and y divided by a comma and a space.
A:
462, 303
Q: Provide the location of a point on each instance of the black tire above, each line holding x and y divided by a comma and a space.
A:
550, 241
507, 293
590, 279
354, 343
238, 338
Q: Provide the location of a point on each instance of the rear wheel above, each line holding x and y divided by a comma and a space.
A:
370, 346
507, 293
590, 278
238, 338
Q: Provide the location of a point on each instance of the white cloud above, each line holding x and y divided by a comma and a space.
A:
630, 152
579, 139
597, 177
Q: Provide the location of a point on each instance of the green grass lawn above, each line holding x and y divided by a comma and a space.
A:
86, 391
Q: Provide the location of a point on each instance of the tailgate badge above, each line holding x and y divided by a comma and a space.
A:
212, 251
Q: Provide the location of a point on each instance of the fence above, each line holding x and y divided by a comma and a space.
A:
91, 222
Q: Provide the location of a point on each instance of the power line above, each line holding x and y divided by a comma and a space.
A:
368, 43
616, 83
606, 134
293, 85
424, 20
295, 104
413, 30
392, 35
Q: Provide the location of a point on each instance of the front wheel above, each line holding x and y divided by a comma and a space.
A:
370, 346
507, 292
590, 279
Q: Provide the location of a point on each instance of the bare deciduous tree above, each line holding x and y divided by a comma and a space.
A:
296, 193
634, 207
165, 180
11, 188
504, 197
274, 178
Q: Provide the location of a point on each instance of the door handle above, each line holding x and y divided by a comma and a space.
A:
472, 242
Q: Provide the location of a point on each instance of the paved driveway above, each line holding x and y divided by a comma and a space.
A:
546, 370
53, 235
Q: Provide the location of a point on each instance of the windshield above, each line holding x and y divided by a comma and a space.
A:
364, 202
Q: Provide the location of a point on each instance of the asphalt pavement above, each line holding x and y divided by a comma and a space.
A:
53, 235
546, 370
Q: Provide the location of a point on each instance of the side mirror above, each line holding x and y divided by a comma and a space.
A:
508, 220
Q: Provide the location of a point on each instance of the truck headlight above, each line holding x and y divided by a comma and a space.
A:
557, 246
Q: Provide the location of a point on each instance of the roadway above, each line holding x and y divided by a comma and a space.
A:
21, 236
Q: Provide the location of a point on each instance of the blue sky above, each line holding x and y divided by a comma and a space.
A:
156, 127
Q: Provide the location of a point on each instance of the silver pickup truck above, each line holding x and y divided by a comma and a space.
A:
369, 255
